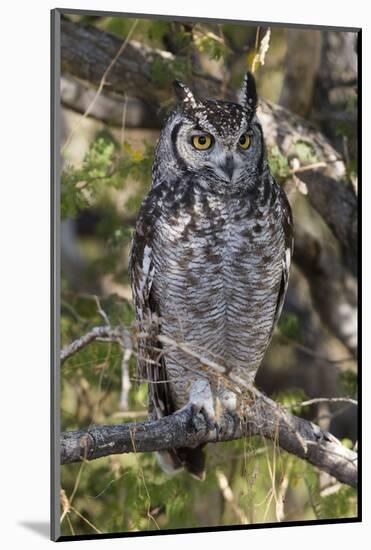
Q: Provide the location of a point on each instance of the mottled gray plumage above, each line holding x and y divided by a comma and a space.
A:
210, 256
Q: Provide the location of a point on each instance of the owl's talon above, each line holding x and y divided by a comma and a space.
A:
211, 423
201, 401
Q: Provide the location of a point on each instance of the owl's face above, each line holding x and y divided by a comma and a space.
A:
219, 140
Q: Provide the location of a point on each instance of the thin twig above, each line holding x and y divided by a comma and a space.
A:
109, 334
284, 485
86, 520
312, 166
125, 379
124, 110
321, 400
229, 497
101, 311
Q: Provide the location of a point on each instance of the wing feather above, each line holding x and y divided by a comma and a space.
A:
287, 224
150, 363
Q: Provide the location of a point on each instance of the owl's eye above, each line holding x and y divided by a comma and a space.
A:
202, 141
244, 141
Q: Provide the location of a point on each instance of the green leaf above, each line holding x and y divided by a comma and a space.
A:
305, 152
278, 164
290, 397
210, 46
164, 71
158, 30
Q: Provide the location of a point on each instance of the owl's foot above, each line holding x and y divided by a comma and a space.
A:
201, 400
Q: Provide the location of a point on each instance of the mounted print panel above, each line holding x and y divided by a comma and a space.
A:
205, 201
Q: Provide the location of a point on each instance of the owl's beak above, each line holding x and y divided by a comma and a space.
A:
228, 166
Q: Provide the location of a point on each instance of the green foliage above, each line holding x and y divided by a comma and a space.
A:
94, 174
349, 383
289, 326
165, 70
212, 46
278, 164
305, 152
291, 397
341, 504
104, 167
158, 30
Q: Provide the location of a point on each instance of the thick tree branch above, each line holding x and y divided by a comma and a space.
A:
258, 415
331, 199
333, 291
86, 52
328, 190
78, 97
186, 428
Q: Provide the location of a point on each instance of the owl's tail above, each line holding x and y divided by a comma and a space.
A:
175, 460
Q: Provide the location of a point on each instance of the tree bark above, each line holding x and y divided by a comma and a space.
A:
301, 67
86, 52
188, 428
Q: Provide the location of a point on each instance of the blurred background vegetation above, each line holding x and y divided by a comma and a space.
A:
107, 156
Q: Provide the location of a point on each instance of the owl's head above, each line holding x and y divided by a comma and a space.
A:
221, 141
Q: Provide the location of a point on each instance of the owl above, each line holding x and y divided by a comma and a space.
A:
210, 260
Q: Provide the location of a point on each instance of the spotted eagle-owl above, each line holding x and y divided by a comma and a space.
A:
210, 259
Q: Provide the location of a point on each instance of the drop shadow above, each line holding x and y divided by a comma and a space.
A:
42, 528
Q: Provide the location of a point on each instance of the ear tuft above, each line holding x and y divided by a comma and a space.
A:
248, 94
184, 94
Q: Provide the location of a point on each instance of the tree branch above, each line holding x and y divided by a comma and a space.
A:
107, 333
332, 199
187, 428
86, 52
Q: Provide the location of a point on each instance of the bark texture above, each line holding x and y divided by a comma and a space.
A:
188, 428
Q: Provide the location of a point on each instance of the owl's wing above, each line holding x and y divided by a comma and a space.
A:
287, 224
151, 360
151, 364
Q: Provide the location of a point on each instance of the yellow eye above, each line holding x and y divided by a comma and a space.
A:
244, 141
202, 141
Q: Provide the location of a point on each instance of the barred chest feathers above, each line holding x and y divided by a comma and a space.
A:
217, 259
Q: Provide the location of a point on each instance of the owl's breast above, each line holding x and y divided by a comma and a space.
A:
218, 271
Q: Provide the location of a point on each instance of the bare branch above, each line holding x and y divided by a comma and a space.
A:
118, 334
86, 52
228, 496
102, 83
187, 428
322, 400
